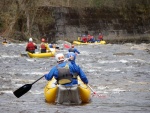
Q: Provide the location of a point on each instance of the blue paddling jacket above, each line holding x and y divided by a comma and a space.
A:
74, 70
74, 50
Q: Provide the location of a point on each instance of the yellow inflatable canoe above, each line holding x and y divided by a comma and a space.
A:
81, 43
41, 55
4, 43
59, 94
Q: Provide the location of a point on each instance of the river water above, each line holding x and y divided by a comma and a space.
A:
119, 73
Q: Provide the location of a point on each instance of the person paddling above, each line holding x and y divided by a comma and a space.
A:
44, 46
31, 46
66, 74
70, 69
5, 41
100, 37
73, 49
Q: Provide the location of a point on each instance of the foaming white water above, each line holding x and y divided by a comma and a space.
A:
9, 56
91, 70
7, 91
22, 44
138, 60
19, 85
32, 73
129, 67
113, 61
85, 53
37, 92
112, 70
102, 87
22, 80
117, 90
30, 60
123, 61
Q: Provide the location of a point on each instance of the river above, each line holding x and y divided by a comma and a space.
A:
119, 73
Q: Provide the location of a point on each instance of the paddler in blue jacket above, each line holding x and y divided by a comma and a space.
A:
73, 49
66, 72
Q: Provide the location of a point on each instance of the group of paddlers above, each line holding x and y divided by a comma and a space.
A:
44, 47
89, 38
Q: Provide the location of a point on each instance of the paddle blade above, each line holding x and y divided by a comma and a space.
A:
22, 90
24, 54
66, 46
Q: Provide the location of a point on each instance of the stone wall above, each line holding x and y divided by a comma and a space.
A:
71, 23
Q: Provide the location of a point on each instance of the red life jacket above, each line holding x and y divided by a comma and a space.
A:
100, 37
30, 46
84, 39
43, 46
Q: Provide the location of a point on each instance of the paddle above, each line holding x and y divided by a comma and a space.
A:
66, 46
94, 91
24, 54
24, 89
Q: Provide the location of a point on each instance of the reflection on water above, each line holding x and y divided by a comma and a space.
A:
118, 73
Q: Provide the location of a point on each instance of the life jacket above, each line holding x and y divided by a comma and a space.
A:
84, 39
89, 38
64, 75
43, 46
101, 37
72, 50
30, 46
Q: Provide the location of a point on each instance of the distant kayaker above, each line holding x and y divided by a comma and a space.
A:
100, 37
44, 46
91, 39
5, 41
84, 39
50, 45
73, 49
69, 69
53, 46
31, 46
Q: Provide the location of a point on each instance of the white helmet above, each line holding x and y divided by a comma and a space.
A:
30, 39
60, 57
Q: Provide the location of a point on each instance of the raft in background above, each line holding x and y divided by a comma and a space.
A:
42, 55
88, 43
67, 94
4, 43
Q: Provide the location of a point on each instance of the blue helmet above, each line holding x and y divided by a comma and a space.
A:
71, 55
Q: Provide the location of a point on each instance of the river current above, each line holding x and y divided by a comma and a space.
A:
119, 73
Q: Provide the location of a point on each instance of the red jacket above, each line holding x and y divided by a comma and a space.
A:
100, 37
84, 39
30, 46
43, 46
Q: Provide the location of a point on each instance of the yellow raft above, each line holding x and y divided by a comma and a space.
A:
42, 55
51, 92
4, 43
88, 43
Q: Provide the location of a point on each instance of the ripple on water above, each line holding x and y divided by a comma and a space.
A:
122, 80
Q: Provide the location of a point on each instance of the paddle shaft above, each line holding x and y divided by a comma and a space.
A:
92, 90
38, 79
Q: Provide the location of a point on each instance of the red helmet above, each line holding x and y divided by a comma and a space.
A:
43, 40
